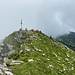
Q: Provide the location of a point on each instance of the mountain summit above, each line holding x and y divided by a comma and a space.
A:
38, 54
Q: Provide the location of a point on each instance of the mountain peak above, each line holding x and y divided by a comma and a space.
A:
41, 54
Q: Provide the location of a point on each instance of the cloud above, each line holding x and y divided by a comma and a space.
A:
57, 18
53, 17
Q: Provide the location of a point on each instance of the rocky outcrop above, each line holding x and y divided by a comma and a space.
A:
4, 67
15, 63
4, 70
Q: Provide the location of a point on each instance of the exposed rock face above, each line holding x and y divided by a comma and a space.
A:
4, 70
5, 50
6, 59
4, 67
1, 43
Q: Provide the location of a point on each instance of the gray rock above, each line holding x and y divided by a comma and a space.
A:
8, 73
16, 63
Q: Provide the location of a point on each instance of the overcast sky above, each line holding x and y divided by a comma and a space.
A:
53, 17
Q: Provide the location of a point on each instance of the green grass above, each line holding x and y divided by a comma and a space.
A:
49, 56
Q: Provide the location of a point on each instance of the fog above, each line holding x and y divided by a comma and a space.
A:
52, 17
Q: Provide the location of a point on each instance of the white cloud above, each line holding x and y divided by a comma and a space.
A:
53, 17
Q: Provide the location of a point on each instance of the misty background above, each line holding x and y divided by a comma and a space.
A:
53, 17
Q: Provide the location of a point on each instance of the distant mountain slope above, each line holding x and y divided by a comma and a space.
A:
68, 39
41, 54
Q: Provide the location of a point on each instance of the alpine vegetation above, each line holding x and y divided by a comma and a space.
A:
31, 52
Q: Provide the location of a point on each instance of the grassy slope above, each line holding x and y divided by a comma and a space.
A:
49, 57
